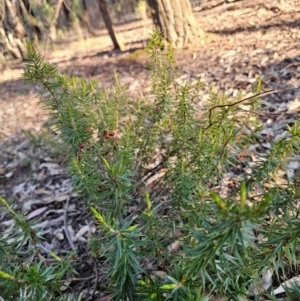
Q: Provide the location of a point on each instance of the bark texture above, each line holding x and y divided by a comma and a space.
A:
176, 20
14, 19
12, 32
86, 18
153, 4
34, 28
289, 5
52, 27
2, 12
108, 23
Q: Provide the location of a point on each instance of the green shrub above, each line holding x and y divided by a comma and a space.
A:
21, 276
201, 238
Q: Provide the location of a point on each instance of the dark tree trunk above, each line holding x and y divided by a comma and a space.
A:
176, 20
154, 13
86, 18
108, 23
66, 12
34, 29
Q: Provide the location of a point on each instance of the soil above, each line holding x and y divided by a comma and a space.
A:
242, 43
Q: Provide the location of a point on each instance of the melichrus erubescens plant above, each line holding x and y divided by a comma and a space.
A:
185, 235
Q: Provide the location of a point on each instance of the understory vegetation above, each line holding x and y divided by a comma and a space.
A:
188, 234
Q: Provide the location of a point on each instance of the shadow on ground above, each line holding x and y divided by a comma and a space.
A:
284, 24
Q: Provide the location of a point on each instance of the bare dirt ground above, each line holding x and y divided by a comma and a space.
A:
245, 41
243, 44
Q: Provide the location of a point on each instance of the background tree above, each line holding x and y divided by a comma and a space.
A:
14, 20
86, 18
2, 15
2, 11
108, 23
52, 27
34, 27
176, 20
12, 31
77, 15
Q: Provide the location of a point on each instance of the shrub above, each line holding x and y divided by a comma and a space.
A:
186, 235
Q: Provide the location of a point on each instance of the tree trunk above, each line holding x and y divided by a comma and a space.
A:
14, 19
83, 17
34, 28
66, 14
108, 23
2, 12
12, 34
176, 20
153, 4
2, 16
86, 18
52, 27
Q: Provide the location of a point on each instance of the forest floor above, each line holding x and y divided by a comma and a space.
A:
245, 40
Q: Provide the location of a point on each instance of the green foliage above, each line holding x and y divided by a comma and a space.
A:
224, 240
21, 277
47, 142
